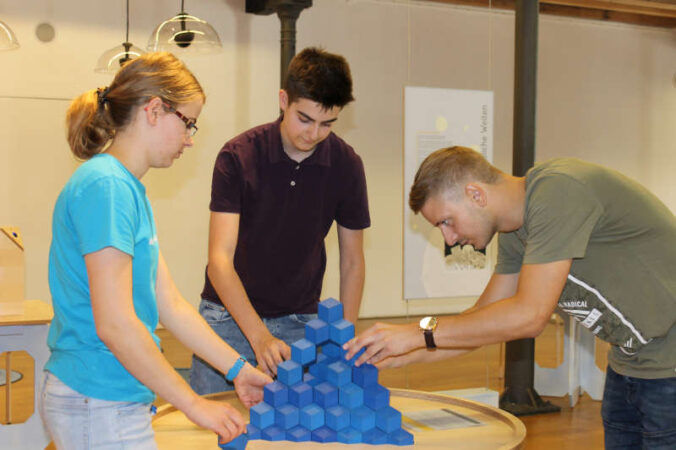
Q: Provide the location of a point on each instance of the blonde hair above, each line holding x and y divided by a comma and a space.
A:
447, 170
94, 117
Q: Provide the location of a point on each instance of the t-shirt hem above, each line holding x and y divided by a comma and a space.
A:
648, 374
87, 389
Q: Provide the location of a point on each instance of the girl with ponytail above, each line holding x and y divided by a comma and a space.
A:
110, 284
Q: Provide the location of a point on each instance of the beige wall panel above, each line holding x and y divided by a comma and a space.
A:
605, 93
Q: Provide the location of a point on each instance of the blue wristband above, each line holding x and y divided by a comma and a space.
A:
234, 370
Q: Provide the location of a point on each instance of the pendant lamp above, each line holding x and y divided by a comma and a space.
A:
7, 38
112, 60
184, 33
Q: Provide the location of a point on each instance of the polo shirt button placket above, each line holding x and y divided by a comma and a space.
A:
293, 182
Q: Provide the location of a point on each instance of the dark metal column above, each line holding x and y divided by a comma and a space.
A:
288, 12
287, 17
519, 396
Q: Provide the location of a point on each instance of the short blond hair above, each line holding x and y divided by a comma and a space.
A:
94, 117
447, 170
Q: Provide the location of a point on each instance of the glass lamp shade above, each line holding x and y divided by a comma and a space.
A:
184, 33
7, 38
112, 60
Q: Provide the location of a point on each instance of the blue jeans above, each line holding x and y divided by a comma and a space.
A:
204, 379
77, 422
639, 413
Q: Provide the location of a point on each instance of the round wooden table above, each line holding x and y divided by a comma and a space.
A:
500, 430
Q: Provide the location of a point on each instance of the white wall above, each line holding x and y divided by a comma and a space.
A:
605, 93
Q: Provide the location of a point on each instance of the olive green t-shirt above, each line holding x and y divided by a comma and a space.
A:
622, 240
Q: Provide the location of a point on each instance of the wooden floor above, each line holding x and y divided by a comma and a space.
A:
572, 428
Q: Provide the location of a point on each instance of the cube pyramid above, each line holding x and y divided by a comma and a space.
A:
320, 396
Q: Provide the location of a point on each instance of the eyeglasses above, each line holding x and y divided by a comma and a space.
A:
190, 124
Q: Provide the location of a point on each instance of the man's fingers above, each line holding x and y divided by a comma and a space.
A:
286, 351
268, 365
273, 357
352, 346
371, 344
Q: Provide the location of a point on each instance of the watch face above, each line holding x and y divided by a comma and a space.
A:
428, 323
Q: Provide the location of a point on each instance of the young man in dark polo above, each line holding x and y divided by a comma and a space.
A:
276, 191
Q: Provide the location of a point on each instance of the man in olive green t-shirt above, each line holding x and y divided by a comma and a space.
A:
572, 235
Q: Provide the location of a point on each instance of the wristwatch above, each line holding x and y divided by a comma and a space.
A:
427, 326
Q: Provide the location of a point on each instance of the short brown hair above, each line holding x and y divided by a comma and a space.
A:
94, 117
319, 76
448, 170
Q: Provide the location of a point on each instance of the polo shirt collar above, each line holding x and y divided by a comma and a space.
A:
276, 154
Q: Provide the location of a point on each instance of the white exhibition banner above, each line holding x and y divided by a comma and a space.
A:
435, 118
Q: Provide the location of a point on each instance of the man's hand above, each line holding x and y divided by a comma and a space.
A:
384, 340
270, 351
394, 362
249, 385
222, 418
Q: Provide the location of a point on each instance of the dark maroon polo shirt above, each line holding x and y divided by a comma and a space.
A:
286, 210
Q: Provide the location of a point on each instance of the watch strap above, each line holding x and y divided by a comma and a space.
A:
429, 339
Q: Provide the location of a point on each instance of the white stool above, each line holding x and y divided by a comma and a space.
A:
578, 371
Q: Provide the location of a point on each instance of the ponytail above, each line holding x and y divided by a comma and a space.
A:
88, 124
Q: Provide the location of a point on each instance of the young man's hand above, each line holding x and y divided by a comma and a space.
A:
384, 340
270, 351
249, 385
219, 417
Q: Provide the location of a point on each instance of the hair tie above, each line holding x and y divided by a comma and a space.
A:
102, 94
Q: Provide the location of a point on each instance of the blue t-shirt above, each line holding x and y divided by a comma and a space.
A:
102, 205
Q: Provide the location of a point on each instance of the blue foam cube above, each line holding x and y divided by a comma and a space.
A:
334, 351
289, 372
400, 437
388, 419
325, 394
312, 417
341, 331
303, 352
349, 436
365, 375
317, 331
337, 417
318, 369
287, 416
253, 432
262, 415
324, 434
298, 434
350, 395
374, 436
239, 443
330, 310
273, 433
275, 394
301, 394
362, 418
338, 374
376, 397
310, 379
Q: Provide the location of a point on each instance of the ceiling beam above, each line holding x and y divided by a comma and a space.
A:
655, 13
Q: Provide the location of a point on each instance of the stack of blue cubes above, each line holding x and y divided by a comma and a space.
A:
323, 397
